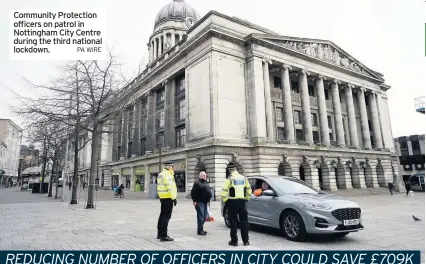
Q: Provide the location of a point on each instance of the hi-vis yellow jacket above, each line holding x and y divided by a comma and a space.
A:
236, 187
166, 185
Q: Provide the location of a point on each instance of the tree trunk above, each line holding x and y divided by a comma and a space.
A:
75, 177
43, 171
51, 176
96, 144
57, 183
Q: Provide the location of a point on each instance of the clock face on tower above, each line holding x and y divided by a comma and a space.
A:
190, 22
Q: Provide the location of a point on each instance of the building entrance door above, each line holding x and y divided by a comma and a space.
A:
180, 180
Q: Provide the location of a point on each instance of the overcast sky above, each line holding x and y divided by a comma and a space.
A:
386, 35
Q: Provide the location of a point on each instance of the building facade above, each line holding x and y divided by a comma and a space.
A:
11, 135
219, 89
29, 157
411, 151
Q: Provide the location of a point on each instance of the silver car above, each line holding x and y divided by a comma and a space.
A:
298, 209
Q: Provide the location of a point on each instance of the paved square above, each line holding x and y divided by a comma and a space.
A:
33, 221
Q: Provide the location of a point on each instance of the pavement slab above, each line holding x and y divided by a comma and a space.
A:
34, 221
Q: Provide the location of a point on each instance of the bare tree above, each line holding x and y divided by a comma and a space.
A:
84, 98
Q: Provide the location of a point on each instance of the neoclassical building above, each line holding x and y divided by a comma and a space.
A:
220, 89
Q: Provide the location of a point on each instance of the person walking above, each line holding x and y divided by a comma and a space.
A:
390, 187
201, 195
236, 192
167, 192
407, 188
69, 185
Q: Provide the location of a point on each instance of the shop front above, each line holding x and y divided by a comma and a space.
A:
125, 177
115, 179
180, 176
139, 179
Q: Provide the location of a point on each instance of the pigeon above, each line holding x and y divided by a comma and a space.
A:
416, 219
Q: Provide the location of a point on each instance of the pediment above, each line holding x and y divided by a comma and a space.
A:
323, 50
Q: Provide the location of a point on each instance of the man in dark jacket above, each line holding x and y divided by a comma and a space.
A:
407, 188
201, 196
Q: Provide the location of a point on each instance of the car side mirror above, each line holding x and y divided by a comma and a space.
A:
268, 193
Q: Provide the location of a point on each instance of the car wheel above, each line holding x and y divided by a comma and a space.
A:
293, 226
340, 235
226, 217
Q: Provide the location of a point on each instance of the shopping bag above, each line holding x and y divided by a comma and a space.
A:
209, 217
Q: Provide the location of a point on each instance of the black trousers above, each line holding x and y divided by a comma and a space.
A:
238, 208
165, 215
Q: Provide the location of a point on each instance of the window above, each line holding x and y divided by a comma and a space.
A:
330, 123
160, 139
314, 119
280, 133
404, 146
366, 101
299, 134
297, 117
181, 110
180, 84
279, 114
315, 135
311, 91
415, 145
160, 119
295, 86
180, 137
277, 82
326, 94
160, 96
331, 136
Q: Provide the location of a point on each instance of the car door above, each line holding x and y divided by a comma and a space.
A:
268, 207
258, 206
251, 205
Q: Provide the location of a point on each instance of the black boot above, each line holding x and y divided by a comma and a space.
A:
233, 243
246, 243
166, 239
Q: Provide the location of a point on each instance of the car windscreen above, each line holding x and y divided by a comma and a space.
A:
293, 186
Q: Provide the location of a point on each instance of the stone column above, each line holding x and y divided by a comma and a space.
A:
256, 99
351, 116
322, 110
169, 114
364, 118
150, 51
155, 50
123, 135
306, 107
173, 39
136, 144
337, 109
287, 102
150, 138
115, 138
268, 101
375, 122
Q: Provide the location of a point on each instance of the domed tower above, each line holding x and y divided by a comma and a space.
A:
171, 24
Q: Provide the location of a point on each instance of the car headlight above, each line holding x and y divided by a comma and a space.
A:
314, 205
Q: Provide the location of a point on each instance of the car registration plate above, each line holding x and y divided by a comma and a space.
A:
351, 222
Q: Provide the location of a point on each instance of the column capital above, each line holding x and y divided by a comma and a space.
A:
304, 72
164, 82
335, 81
320, 77
265, 60
288, 67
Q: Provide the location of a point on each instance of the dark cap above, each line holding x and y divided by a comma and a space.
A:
232, 165
167, 163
